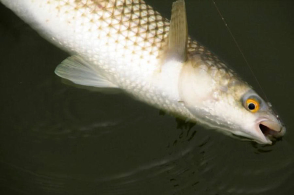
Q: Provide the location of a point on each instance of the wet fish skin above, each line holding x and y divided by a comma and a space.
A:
123, 44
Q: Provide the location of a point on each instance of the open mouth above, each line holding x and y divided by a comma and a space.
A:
266, 130
271, 130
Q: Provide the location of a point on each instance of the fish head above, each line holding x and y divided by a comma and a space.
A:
260, 122
228, 104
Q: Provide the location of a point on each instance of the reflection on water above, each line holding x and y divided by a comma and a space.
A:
58, 139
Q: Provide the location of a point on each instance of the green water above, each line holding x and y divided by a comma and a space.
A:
57, 139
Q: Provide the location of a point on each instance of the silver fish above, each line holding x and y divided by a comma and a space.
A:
126, 44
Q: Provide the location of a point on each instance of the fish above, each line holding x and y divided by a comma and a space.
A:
127, 45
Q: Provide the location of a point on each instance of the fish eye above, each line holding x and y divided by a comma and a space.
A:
252, 105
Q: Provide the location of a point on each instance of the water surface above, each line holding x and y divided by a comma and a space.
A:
58, 139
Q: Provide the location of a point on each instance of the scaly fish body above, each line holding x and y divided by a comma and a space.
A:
126, 44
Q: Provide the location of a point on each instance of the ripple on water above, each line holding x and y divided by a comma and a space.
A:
79, 142
54, 112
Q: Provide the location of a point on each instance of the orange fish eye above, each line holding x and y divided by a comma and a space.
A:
252, 105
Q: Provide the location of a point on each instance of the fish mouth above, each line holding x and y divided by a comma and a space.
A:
271, 130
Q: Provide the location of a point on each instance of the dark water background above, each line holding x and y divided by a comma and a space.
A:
57, 139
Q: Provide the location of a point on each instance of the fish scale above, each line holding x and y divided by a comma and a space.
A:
137, 27
126, 44
125, 31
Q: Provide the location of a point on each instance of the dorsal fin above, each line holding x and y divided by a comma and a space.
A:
178, 33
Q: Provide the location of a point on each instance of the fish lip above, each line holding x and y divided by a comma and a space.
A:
271, 130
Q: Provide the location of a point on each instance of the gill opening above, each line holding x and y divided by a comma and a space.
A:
240, 50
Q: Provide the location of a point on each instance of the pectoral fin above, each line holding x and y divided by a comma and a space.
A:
178, 33
81, 72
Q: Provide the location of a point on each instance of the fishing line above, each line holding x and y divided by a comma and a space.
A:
240, 50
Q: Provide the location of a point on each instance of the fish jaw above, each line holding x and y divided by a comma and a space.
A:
264, 130
271, 128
